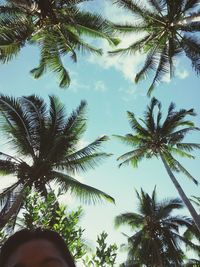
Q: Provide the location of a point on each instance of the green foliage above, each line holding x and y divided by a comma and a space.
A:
45, 148
104, 256
168, 29
156, 240
3, 237
48, 213
155, 136
58, 28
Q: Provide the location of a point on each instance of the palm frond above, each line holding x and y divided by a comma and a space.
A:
85, 193
190, 4
14, 198
135, 125
7, 167
133, 157
157, 5
190, 27
184, 171
129, 28
17, 123
178, 136
130, 139
130, 219
191, 46
82, 164
133, 48
150, 64
14, 32
76, 123
181, 153
138, 10
87, 150
149, 118
162, 70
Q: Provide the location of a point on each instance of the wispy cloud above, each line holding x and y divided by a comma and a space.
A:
182, 74
100, 86
76, 85
128, 65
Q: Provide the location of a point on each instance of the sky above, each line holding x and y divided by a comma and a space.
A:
107, 84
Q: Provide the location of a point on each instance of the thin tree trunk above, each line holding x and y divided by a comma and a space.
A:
182, 194
160, 262
187, 20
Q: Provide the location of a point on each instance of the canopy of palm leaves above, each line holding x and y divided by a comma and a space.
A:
46, 146
156, 241
167, 29
57, 27
155, 136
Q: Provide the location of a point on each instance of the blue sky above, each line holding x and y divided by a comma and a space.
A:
106, 83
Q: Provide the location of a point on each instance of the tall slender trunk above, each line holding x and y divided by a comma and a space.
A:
187, 20
159, 258
182, 194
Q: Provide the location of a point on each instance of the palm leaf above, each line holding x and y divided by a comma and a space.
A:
184, 171
85, 193
18, 123
133, 220
134, 47
149, 65
163, 68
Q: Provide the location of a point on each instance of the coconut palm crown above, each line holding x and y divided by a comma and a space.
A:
167, 29
44, 147
156, 238
162, 138
57, 27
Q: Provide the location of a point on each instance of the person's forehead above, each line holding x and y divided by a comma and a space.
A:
35, 253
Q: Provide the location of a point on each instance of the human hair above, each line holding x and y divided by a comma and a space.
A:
26, 235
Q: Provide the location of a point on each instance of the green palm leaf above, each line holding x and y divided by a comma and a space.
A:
58, 28
170, 28
153, 136
46, 140
85, 193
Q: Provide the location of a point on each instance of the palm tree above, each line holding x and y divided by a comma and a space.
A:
163, 139
156, 239
45, 148
168, 29
193, 233
57, 27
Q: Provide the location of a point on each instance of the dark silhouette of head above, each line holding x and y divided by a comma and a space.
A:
33, 247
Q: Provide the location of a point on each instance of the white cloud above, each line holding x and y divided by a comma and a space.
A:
100, 86
6, 181
127, 64
182, 74
132, 93
75, 85
82, 143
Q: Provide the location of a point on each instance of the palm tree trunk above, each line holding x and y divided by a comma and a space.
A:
182, 194
160, 262
187, 20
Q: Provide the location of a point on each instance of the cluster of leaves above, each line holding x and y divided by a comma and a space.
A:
104, 256
156, 240
167, 29
49, 138
58, 28
51, 215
